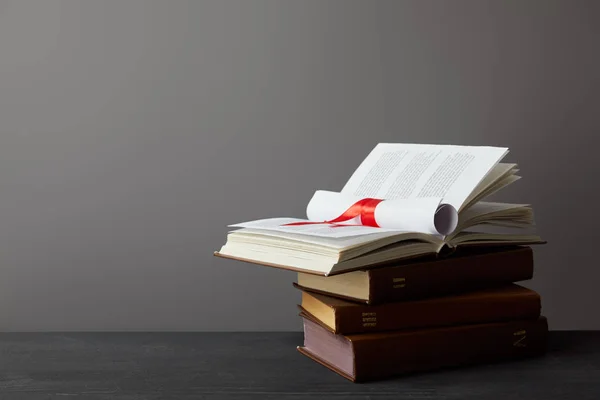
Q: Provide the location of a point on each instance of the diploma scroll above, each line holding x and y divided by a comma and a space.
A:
426, 215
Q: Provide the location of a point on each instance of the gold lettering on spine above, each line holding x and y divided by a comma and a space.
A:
369, 319
398, 283
369, 314
520, 338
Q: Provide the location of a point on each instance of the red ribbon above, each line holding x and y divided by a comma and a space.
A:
365, 208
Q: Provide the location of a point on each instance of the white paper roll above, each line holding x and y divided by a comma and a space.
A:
426, 215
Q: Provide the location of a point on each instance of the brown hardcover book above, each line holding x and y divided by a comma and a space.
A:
512, 302
465, 271
375, 356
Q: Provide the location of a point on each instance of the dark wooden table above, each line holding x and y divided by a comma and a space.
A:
265, 366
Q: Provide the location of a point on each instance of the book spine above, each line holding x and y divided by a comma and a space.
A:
380, 356
446, 312
446, 277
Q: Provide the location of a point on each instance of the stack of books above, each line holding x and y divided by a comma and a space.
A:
407, 269
423, 315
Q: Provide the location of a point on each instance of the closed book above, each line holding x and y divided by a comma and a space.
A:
375, 356
466, 270
511, 302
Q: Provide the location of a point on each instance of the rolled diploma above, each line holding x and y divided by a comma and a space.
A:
425, 215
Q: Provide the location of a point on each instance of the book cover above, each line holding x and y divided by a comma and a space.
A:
376, 356
512, 302
466, 270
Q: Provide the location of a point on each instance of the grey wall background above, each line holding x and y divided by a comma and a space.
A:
132, 132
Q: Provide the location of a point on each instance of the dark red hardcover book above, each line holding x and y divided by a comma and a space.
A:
375, 356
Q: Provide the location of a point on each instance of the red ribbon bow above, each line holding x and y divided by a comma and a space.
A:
365, 208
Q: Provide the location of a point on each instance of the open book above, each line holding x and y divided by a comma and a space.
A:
403, 201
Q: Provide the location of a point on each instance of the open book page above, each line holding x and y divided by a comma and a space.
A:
499, 177
496, 235
500, 214
260, 236
490, 209
305, 227
412, 171
427, 215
